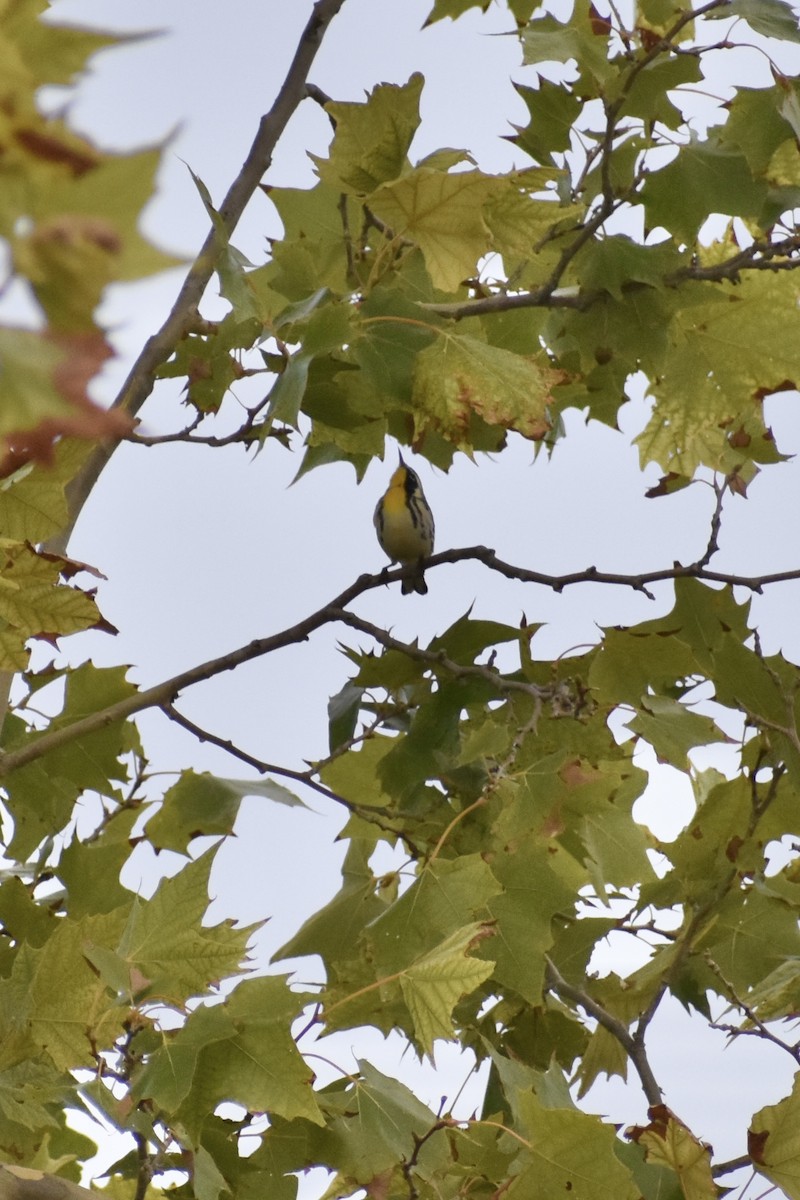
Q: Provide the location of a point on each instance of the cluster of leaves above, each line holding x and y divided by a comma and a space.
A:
446, 307
68, 218
376, 259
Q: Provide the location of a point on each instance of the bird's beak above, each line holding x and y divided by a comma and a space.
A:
402, 460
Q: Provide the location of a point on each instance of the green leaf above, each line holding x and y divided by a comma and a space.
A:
41, 795
240, 1051
436, 981
716, 372
673, 730
430, 911
611, 263
548, 40
453, 9
532, 894
773, 1142
207, 1180
706, 177
90, 870
443, 214
570, 1152
647, 97
172, 954
772, 18
755, 124
56, 996
333, 931
371, 142
203, 805
553, 109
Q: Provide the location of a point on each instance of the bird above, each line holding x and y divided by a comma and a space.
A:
404, 524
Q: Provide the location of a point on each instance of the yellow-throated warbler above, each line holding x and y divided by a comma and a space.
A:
404, 524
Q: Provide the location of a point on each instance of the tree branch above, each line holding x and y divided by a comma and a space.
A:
157, 349
367, 812
165, 693
760, 256
633, 1048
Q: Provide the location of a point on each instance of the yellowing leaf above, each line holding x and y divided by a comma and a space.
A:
443, 214
434, 984
458, 378
166, 942
372, 139
34, 603
519, 221
726, 350
667, 1142
27, 390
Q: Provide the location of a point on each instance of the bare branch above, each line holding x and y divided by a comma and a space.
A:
166, 692
367, 812
157, 349
716, 521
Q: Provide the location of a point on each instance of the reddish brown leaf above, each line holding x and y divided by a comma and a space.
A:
53, 149
84, 354
755, 1145
600, 25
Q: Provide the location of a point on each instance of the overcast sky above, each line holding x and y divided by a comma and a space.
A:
205, 550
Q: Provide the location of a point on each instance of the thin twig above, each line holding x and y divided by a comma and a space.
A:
716, 521
367, 812
760, 1029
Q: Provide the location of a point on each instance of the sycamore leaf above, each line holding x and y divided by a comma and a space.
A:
434, 984
756, 124
389, 1112
31, 1093
203, 805
430, 911
549, 40
532, 894
239, 1051
706, 177
459, 378
673, 730
55, 993
453, 9
553, 109
372, 139
725, 352
773, 1142
33, 602
520, 222
443, 214
167, 946
666, 1141
208, 1182
28, 393
33, 504
570, 1153
777, 994
772, 18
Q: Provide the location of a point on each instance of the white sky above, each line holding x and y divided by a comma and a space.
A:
205, 550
